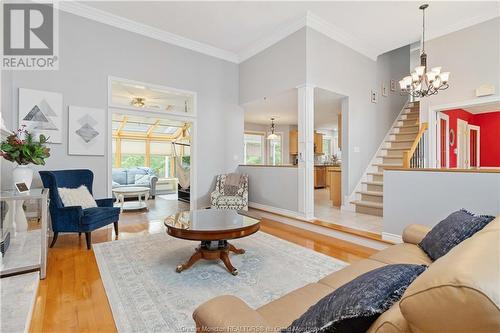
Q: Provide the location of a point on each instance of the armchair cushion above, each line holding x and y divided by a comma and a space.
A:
77, 197
97, 214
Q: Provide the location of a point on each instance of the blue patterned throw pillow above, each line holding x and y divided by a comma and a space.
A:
354, 306
451, 231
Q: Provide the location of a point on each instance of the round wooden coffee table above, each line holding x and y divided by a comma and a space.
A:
213, 228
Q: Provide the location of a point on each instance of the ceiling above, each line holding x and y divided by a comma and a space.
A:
484, 108
241, 29
124, 93
284, 107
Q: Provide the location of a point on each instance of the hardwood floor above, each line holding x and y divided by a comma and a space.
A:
72, 297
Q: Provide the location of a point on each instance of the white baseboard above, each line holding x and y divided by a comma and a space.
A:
392, 237
275, 210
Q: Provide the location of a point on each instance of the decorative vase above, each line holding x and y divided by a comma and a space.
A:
23, 174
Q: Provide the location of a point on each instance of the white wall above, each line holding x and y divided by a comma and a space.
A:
273, 186
428, 197
335, 67
274, 70
284, 130
472, 55
91, 51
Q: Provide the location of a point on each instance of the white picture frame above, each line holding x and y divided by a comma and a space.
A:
86, 131
41, 112
374, 96
385, 90
393, 85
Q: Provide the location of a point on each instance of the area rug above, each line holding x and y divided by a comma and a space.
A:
147, 295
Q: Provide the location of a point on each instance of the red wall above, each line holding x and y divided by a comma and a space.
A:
489, 124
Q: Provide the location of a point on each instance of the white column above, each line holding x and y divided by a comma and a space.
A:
306, 150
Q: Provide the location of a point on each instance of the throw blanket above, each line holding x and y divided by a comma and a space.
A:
232, 183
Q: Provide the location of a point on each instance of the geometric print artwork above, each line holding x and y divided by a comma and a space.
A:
87, 132
41, 112
86, 128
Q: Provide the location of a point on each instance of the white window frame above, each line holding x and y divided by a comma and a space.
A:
263, 146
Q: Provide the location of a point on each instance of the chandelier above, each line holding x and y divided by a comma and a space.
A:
423, 82
272, 136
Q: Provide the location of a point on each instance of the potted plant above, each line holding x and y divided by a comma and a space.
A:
19, 147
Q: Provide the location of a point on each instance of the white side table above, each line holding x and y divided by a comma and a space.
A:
125, 192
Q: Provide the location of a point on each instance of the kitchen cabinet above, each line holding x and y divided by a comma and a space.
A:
318, 143
319, 176
294, 142
335, 181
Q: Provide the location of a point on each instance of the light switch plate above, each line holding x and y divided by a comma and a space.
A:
356, 149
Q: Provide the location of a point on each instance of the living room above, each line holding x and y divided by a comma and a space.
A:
128, 102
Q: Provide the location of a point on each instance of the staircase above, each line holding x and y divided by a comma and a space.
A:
401, 138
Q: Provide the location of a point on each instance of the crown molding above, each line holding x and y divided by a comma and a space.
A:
326, 28
308, 20
116, 21
469, 22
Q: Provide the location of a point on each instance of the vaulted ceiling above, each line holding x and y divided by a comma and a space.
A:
238, 30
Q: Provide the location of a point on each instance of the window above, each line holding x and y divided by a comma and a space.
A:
254, 148
133, 153
327, 146
275, 151
160, 158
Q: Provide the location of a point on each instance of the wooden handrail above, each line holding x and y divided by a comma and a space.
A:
407, 155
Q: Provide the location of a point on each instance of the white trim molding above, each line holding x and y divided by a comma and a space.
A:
276, 210
116, 21
310, 20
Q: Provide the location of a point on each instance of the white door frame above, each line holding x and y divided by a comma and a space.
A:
445, 117
185, 117
478, 139
465, 136
432, 119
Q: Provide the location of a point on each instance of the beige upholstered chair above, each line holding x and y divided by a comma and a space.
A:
220, 200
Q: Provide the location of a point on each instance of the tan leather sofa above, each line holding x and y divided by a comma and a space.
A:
459, 292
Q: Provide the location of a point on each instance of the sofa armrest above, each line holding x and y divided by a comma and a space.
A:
108, 202
414, 233
228, 314
152, 185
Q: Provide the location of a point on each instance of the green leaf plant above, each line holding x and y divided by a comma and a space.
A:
21, 148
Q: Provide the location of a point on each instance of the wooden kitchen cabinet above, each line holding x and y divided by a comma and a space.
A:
294, 142
335, 182
318, 143
319, 176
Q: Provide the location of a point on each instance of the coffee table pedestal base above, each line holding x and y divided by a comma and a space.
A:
221, 252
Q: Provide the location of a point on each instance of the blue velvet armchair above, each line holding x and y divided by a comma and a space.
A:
74, 218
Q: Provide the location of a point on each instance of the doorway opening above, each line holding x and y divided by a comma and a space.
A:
151, 141
467, 137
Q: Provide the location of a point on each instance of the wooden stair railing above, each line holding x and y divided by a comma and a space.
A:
414, 157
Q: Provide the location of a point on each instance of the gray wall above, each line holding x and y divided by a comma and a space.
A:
335, 67
91, 51
274, 70
472, 55
428, 197
273, 186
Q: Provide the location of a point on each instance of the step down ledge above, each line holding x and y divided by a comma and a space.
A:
372, 193
368, 204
